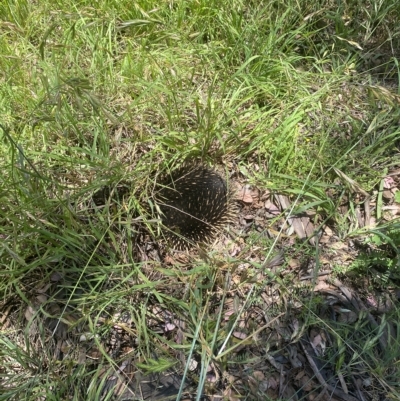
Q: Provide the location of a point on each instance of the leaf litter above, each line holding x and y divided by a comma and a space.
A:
271, 354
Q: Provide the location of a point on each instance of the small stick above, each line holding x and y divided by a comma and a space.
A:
338, 393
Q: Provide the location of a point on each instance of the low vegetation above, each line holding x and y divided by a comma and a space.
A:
296, 105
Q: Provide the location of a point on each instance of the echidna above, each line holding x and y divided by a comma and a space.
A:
193, 200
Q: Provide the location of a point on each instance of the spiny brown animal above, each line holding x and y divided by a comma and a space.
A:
194, 203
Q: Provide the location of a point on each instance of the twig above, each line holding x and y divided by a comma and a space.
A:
360, 394
338, 393
321, 394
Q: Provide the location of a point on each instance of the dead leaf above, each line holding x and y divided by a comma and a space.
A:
271, 208
322, 286
246, 194
41, 299
30, 312
258, 375
306, 383
387, 194
294, 360
294, 263
338, 245
301, 225
346, 315
389, 183
239, 335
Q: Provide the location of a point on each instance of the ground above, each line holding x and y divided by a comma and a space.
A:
295, 106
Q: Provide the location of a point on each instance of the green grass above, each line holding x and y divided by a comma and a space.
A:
97, 100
